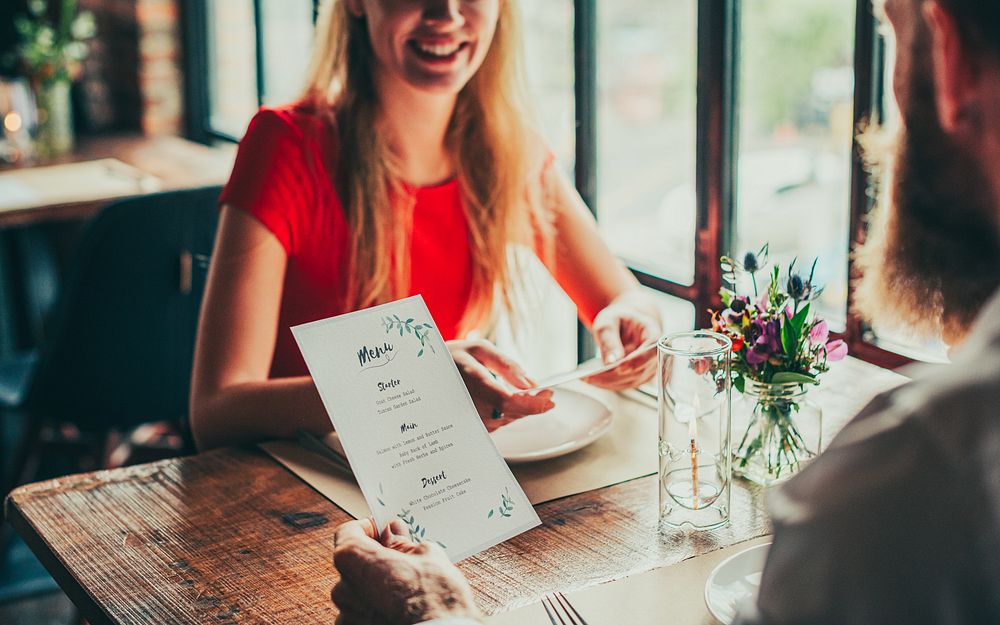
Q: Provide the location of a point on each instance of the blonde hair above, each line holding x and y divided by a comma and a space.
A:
488, 136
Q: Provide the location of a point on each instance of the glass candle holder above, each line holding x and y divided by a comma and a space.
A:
18, 118
695, 406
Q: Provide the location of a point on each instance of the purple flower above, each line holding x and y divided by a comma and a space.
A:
756, 355
820, 333
835, 350
764, 339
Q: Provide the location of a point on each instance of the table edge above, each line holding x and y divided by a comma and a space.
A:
87, 606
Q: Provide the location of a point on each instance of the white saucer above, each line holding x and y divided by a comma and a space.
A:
575, 422
736, 579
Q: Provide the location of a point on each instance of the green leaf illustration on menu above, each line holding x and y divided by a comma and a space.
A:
418, 533
421, 331
381, 494
506, 506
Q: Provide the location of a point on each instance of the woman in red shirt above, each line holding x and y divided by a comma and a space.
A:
407, 167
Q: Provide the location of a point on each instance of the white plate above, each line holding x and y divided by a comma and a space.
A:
734, 580
575, 422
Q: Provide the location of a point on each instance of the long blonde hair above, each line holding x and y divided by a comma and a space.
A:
488, 136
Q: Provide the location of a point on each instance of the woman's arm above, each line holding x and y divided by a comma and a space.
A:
232, 399
610, 299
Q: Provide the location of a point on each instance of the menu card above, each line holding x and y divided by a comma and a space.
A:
410, 430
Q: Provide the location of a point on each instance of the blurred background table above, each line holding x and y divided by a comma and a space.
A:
230, 536
172, 162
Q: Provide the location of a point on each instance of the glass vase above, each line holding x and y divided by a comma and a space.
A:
777, 431
54, 136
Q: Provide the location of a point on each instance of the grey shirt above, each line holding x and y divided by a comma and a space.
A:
899, 520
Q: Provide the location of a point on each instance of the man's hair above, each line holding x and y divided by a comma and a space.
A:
978, 21
932, 256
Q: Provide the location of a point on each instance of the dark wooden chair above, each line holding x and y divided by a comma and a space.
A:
119, 348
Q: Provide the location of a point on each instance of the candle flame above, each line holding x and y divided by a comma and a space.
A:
12, 122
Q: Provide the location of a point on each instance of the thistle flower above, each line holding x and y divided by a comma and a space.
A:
752, 263
796, 287
802, 289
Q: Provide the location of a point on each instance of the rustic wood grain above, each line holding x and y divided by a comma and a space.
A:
231, 537
178, 163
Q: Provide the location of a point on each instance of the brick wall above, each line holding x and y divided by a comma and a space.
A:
108, 90
160, 77
132, 79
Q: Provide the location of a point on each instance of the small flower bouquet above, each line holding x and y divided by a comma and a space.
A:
779, 349
53, 46
52, 49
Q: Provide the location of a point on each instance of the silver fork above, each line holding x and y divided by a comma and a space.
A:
560, 611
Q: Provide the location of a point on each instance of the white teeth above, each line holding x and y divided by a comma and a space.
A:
439, 50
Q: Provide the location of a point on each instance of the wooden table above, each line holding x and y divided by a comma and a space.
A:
230, 537
175, 162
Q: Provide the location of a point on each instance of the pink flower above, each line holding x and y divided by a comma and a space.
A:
762, 302
836, 350
820, 333
788, 311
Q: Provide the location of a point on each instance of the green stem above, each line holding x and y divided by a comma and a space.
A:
66, 14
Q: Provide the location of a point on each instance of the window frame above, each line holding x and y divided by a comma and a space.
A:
198, 115
717, 146
717, 139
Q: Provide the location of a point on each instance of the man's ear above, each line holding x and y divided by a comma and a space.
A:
355, 8
956, 70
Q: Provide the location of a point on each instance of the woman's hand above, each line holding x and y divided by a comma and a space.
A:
485, 370
631, 321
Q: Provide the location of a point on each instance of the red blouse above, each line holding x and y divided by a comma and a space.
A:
280, 178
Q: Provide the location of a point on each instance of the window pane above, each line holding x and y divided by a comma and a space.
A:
542, 334
796, 85
928, 349
288, 34
931, 349
546, 339
677, 314
548, 35
232, 83
646, 133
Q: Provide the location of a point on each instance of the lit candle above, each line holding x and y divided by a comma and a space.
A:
693, 435
693, 421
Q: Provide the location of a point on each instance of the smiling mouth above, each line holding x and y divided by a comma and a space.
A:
437, 53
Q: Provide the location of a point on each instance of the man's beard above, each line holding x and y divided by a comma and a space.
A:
932, 254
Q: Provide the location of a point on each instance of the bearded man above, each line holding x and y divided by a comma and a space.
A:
899, 520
